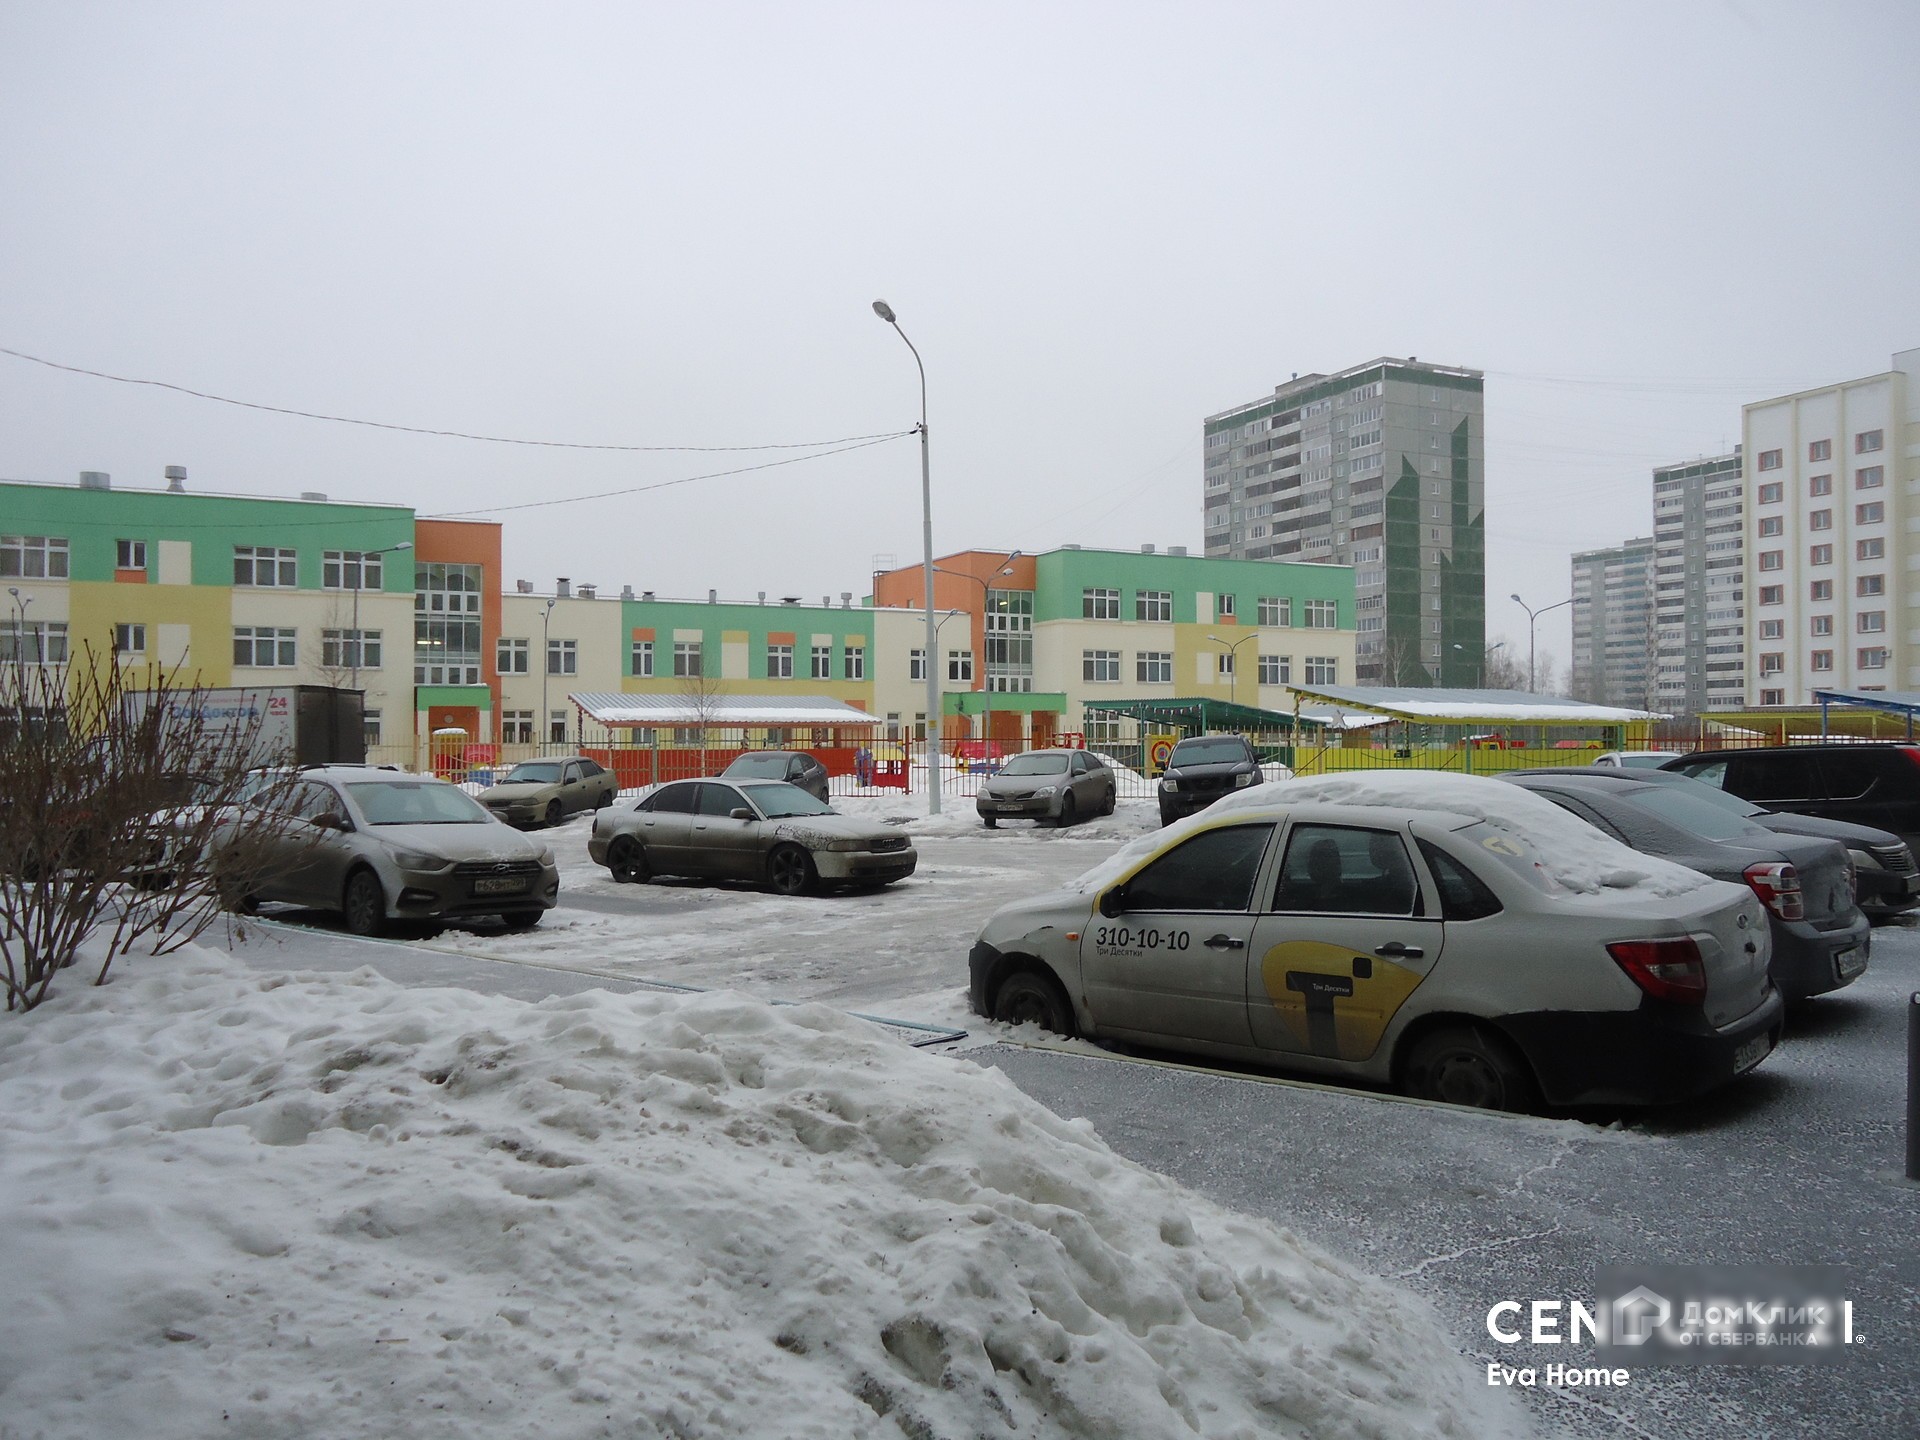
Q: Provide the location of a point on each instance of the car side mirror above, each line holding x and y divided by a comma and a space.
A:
331, 821
740, 812
1113, 902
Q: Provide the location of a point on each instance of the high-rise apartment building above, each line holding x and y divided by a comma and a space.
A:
1613, 625
1699, 569
1379, 467
1829, 514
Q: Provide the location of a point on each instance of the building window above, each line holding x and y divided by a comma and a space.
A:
349, 570
1818, 485
516, 727
1223, 665
1771, 493
853, 664
1153, 667
1323, 670
916, 665
1772, 594
1869, 477
1819, 590
779, 662
370, 726
1867, 441
1276, 610
129, 554
1820, 554
1100, 667
1773, 697
1773, 629
1276, 669
688, 659
33, 557
1773, 559
1875, 549
129, 639
1224, 607
821, 662
1820, 450
1870, 585
1772, 663
1871, 513
1817, 520
1870, 622
1098, 604
350, 649
1153, 605
557, 727
263, 647
1820, 660
1818, 624
1769, 459
264, 567
510, 657
1873, 657
960, 665
446, 624
1323, 614
563, 657
1771, 525
640, 659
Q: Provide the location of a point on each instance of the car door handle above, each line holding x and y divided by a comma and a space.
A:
1396, 949
1224, 942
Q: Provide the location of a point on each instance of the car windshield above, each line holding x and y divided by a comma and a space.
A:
773, 767
1209, 750
534, 773
1646, 759
1690, 812
416, 802
1713, 795
1034, 764
777, 802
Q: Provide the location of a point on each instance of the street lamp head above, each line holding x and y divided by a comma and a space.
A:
1516, 600
883, 310
403, 545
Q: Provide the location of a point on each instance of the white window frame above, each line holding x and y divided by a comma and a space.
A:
511, 655
281, 568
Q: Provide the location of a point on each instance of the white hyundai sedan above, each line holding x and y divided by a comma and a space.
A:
1418, 930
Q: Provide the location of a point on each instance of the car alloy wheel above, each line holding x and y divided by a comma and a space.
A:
1465, 1065
628, 862
364, 904
1065, 817
1027, 997
790, 870
554, 812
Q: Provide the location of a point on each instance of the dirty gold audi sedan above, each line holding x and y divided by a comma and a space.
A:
1399, 945
760, 830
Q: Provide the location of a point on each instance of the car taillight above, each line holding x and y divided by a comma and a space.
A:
1778, 886
1665, 969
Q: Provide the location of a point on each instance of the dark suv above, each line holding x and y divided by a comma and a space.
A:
1201, 769
1875, 783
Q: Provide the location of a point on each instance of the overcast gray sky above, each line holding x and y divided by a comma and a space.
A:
664, 225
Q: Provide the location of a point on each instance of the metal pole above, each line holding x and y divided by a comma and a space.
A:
546, 666
1913, 1087
885, 312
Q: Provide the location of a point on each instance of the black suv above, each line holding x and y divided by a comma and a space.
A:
1875, 783
1201, 769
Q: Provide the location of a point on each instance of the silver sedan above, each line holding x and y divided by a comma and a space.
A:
1056, 785
761, 830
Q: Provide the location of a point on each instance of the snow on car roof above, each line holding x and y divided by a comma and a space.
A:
1569, 852
701, 1213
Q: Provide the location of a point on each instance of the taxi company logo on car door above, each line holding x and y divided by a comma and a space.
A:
1333, 1002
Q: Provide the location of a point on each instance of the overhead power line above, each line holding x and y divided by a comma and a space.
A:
421, 429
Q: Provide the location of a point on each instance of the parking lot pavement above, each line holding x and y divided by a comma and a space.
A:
1801, 1163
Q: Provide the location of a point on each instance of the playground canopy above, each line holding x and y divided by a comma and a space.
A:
1427, 706
1903, 703
720, 711
1198, 714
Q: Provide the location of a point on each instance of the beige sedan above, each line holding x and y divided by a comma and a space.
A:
545, 792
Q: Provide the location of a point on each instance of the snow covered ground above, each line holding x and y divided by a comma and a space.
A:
250, 1204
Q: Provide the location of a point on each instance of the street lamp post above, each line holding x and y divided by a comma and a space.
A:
359, 575
885, 312
1233, 651
1485, 652
20, 603
1533, 619
546, 667
986, 685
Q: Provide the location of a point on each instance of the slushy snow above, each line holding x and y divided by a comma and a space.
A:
326, 1206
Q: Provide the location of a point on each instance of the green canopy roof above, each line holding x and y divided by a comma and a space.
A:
1198, 713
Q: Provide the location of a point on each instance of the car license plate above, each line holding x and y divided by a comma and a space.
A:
1850, 963
500, 885
1013, 804
1753, 1052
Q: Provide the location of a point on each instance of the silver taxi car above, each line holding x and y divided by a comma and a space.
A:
395, 846
760, 830
1392, 945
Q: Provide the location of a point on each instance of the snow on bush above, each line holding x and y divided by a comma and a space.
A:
328, 1206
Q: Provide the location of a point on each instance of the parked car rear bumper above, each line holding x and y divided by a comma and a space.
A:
1807, 961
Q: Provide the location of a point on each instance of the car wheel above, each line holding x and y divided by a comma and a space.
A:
364, 904
1027, 997
1066, 816
523, 919
554, 812
235, 898
628, 862
790, 870
603, 799
1113, 801
1466, 1065
989, 822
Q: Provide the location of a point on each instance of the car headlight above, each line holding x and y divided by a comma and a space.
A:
1240, 782
415, 860
545, 855
1170, 785
1045, 790
1864, 860
842, 846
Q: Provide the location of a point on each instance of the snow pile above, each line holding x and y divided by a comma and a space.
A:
1567, 851
326, 1207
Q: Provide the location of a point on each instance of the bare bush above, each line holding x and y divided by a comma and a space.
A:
122, 818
